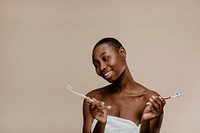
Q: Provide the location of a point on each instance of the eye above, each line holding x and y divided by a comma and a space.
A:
105, 58
96, 65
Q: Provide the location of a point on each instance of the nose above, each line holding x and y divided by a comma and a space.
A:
102, 66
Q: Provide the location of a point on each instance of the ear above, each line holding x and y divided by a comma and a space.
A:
122, 52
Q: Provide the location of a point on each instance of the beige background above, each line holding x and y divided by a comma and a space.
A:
46, 44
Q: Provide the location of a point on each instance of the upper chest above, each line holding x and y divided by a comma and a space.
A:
128, 107
125, 105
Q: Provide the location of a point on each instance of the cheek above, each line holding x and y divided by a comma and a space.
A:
120, 67
116, 62
97, 71
113, 62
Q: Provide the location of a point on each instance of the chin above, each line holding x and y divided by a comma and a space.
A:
110, 80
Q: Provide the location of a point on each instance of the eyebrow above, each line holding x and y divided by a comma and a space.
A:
94, 60
102, 54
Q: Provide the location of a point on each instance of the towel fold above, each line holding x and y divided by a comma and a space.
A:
118, 125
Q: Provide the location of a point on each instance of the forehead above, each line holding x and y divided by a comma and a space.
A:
103, 48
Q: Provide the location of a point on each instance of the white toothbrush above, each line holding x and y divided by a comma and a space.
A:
70, 88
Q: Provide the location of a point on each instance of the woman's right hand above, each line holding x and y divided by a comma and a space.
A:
154, 108
98, 109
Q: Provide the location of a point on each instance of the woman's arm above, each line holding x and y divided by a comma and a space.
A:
151, 126
152, 115
87, 118
94, 109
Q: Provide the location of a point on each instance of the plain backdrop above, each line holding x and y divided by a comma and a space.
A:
46, 45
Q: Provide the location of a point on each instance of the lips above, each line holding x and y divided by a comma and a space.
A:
108, 74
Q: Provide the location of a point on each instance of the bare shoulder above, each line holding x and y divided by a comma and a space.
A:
148, 92
97, 93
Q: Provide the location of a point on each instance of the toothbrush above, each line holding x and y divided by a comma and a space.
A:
70, 88
178, 94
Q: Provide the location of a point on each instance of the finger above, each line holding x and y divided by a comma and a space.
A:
97, 102
92, 103
97, 112
92, 107
163, 100
152, 108
157, 101
160, 102
105, 107
154, 113
88, 100
153, 102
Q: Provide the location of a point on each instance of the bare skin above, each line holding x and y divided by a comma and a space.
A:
126, 97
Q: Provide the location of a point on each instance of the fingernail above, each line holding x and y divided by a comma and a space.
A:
150, 99
154, 97
91, 100
149, 104
108, 107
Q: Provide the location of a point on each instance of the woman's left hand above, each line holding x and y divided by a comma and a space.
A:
154, 108
98, 109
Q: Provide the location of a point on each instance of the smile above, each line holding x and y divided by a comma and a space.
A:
108, 73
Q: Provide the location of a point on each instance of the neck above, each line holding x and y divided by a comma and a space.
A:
124, 81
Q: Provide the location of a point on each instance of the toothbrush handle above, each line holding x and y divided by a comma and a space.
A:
166, 98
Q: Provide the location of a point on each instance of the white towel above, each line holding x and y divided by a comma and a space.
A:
118, 125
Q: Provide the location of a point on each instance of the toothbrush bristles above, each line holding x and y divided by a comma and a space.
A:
178, 94
70, 88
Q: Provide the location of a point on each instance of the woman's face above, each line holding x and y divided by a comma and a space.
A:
109, 62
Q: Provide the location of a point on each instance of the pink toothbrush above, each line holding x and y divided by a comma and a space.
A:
178, 94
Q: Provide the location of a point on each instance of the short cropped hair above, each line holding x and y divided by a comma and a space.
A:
110, 41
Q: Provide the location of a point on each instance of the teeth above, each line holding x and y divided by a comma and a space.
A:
107, 73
